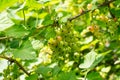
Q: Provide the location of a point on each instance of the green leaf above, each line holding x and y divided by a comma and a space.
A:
32, 77
44, 1
2, 47
116, 12
15, 70
4, 64
117, 61
87, 40
5, 21
56, 70
50, 33
31, 22
16, 31
94, 76
67, 76
98, 59
13, 13
47, 20
14, 44
33, 4
6, 3
89, 59
88, 45
37, 44
92, 59
26, 52
65, 18
44, 70
0, 74
102, 24
50, 2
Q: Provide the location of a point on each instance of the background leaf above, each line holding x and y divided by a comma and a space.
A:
32, 77
6, 4
5, 21
2, 47
16, 31
94, 76
88, 60
67, 76
44, 70
26, 52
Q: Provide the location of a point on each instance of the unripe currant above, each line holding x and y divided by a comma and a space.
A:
59, 38
52, 42
107, 44
81, 11
58, 32
91, 28
96, 12
115, 19
103, 18
64, 31
89, 6
65, 43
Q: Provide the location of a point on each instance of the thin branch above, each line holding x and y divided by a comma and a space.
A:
15, 61
84, 12
36, 23
2, 38
24, 17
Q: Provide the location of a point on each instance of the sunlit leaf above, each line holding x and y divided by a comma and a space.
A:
42, 15
37, 44
6, 3
117, 61
2, 47
98, 59
5, 21
4, 65
88, 45
12, 12
49, 3
33, 4
92, 59
89, 59
87, 40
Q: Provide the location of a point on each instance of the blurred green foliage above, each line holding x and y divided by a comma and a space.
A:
60, 39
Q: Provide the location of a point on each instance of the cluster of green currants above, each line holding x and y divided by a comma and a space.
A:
66, 43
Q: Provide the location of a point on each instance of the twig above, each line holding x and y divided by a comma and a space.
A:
24, 17
15, 61
36, 23
85, 76
2, 38
84, 12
